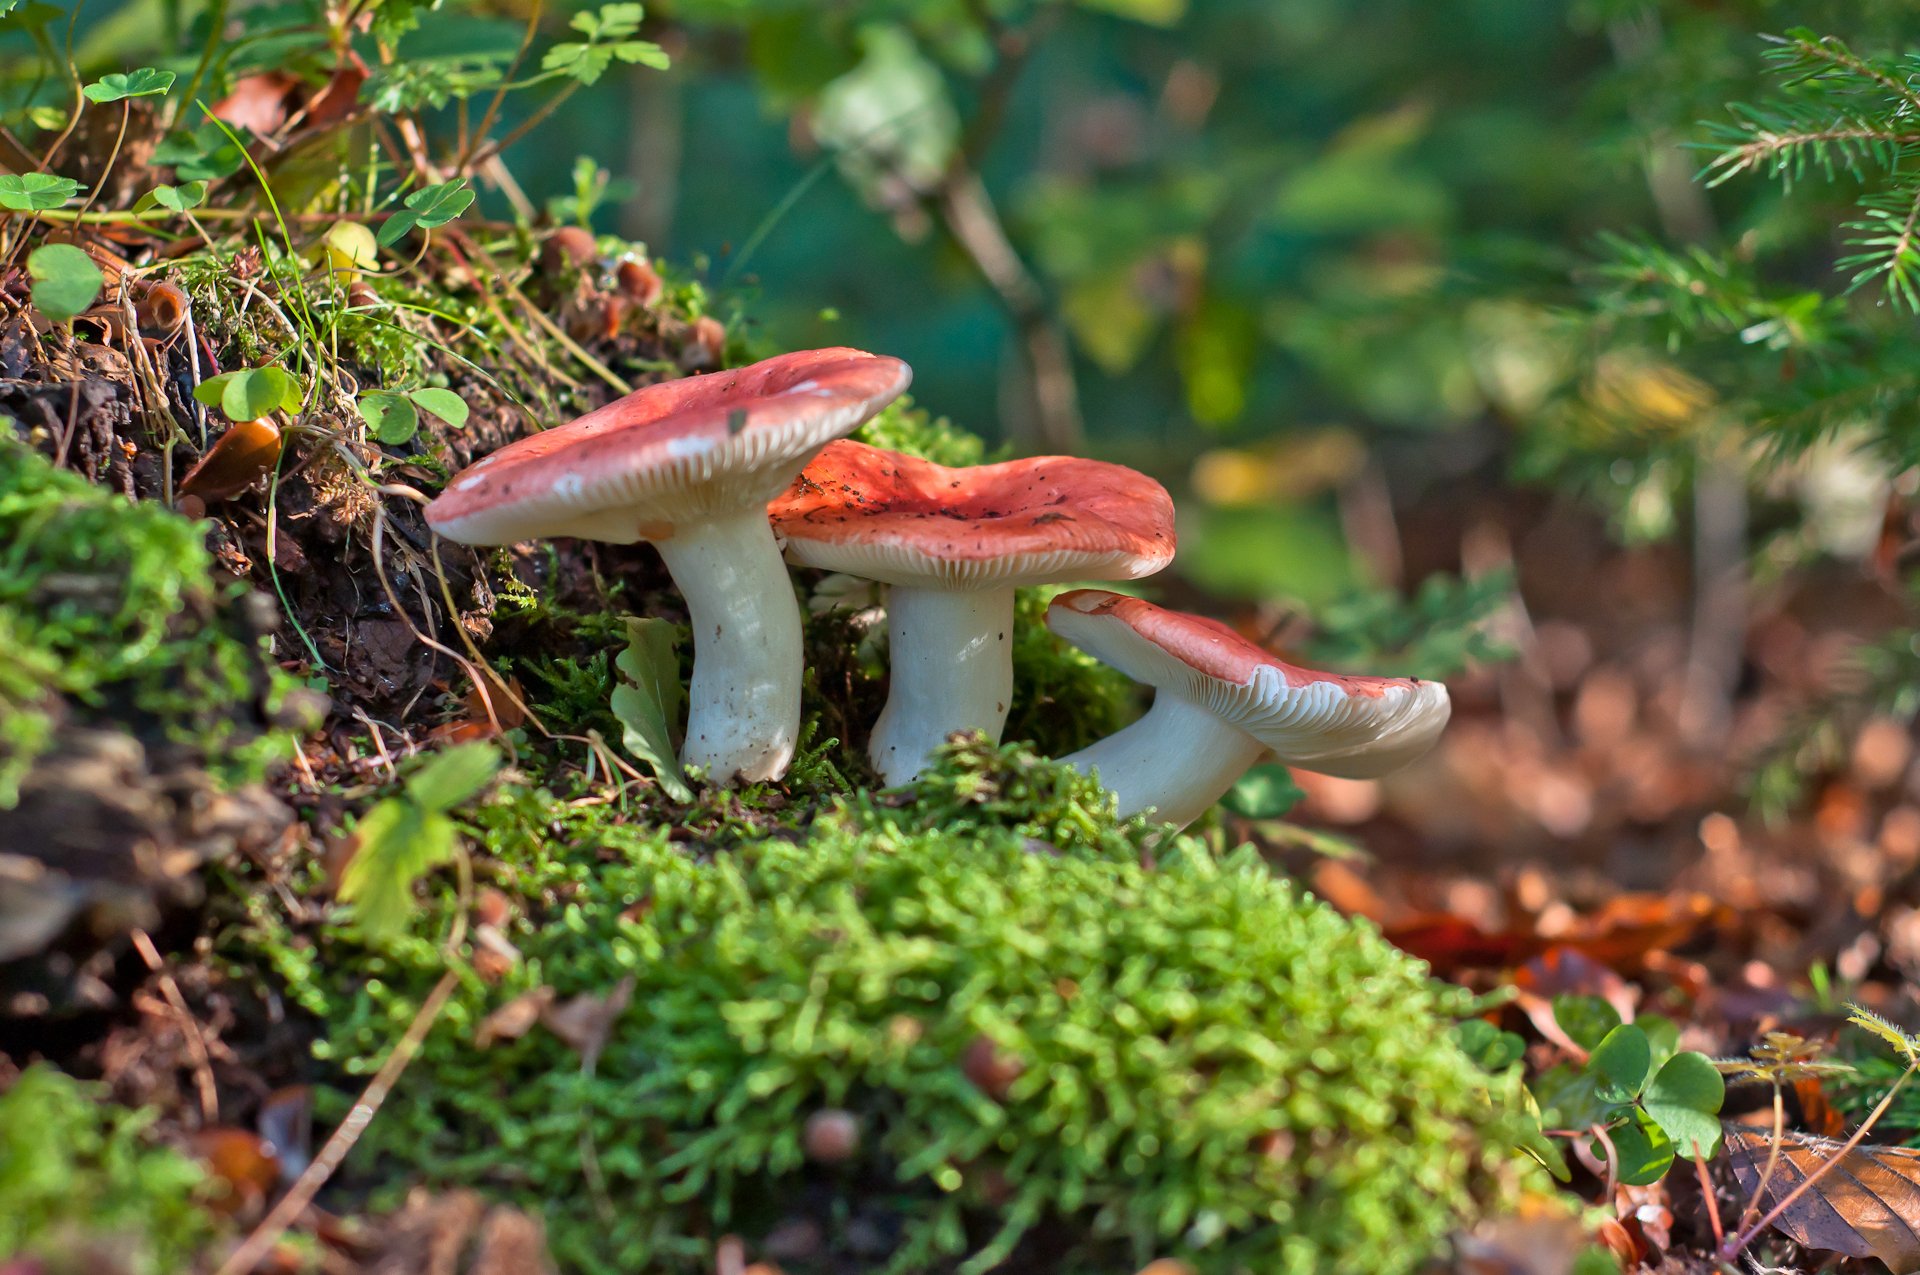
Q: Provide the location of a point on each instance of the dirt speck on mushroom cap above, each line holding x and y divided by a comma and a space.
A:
902, 520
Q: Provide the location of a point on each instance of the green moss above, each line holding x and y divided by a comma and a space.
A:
902, 427
1202, 1062
73, 1166
115, 611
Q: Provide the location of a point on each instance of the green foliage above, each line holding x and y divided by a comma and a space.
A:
609, 32
1047, 1045
394, 417
115, 609
1653, 1100
65, 281
208, 153
33, 192
648, 700
1436, 634
119, 86
181, 198
902, 427
403, 837
251, 393
427, 209
73, 1167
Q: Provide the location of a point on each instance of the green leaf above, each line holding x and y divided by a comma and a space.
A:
1685, 1099
32, 192
250, 393
1585, 1019
178, 199
1622, 1060
145, 82
206, 154
65, 281
392, 417
445, 404
453, 776
1267, 791
1595, 1260
1663, 1037
404, 837
1643, 1151
398, 844
1493, 1049
1566, 1095
427, 208
649, 707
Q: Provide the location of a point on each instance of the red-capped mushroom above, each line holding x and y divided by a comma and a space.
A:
952, 545
1221, 703
690, 466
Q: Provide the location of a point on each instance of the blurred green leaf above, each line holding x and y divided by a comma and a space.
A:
145, 82
65, 281
250, 393
1684, 1100
32, 192
392, 417
445, 404
648, 702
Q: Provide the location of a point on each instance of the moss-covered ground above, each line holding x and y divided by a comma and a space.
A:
978, 1025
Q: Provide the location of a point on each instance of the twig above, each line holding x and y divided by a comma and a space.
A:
189, 1028
1706, 1194
975, 225
300, 1195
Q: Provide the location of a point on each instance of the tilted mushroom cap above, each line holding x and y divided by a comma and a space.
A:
669, 453
1353, 727
901, 520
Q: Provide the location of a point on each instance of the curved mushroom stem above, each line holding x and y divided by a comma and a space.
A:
743, 707
1177, 760
950, 657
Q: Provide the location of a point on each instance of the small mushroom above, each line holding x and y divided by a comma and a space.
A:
952, 545
690, 465
1221, 703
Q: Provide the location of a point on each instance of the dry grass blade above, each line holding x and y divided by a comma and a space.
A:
1866, 1205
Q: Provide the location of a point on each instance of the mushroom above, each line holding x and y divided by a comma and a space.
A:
690, 465
1221, 703
952, 545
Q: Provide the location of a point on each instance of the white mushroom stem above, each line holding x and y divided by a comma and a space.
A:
743, 707
950, 660
1176, 761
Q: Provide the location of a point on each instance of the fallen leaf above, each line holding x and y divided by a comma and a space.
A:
1867, 1205
513, 1019
585, 1021
244, 1161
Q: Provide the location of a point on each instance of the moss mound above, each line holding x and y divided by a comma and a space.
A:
1037, 1035
81, 1188
112, 611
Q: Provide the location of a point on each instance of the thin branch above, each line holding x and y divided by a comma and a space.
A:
300, 1195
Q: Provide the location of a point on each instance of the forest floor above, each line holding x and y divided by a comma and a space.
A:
1574, 833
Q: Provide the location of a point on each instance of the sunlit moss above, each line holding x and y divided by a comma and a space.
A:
1064, 1040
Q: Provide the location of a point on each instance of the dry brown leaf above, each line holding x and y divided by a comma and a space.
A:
1867, 1205
585, 1021
513, 1019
